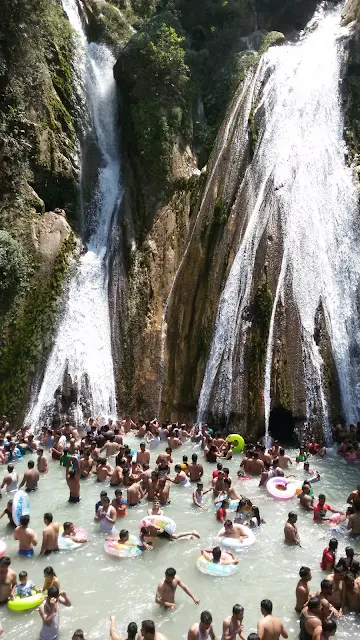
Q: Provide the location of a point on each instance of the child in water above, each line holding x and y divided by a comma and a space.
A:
221, 512
24, 588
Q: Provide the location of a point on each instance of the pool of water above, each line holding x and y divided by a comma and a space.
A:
100, 585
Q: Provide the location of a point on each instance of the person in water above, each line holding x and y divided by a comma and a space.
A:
302, 588
270, 627
233, 625
70, 531
27, 537
202, 630
73, 480
132, 630
198, 495
326, 631
50, 536
329, 555
8, 512
49, 613
106, 516
221, 512
24, 588
321, 509
214, 555
291, 533
165, 593
310, 619
50, 579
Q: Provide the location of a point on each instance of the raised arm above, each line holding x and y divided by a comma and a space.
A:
113, 634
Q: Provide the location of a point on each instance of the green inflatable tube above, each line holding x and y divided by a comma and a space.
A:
237, 442
22, 604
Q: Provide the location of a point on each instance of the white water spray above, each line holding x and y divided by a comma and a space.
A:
82, 344
302, 181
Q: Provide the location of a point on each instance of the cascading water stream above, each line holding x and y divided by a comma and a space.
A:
82, 345
304, 187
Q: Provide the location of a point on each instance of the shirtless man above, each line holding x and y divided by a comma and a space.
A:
50, 536
173, 440
337, 598
195, 470
86, 465
148, 631
103, 470
327, 629
291, 533
218, 484
202, 629
305, 499
310, 618
132, 630
8, 579
233, 625
229, 490
324, 596
284, 460
42, 463
354, 519
302, 588
153, 485
111, 447
180, 477
10, 481
255, 466
354, 495
164, 491
165, 594
231, 530
143, 455
30, 478
73, 480
134, 494
352, 592
27, 537
270, 628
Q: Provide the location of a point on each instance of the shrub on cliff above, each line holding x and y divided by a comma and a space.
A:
14, 267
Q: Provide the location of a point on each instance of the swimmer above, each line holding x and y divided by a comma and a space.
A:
50, 536
302, 588
180, 478
71, 532
198, 495
132, 630
327, 629
30, 478
42, 463
302, 456
49, 613
214, 555
350, 553
291, 533
146, 543
8, 512
235, 531
86, 465
155, 510
73, 480
241, 513
78, 635
7, 579
111, 447
255, 519
165, 593
233, 625
50, 579
195, 470
103, 494
153, 485
27, 537
202, 630
24, 588
164, 491
270, 628
329, 555
337, 598
310, 619
305, 499
229, 490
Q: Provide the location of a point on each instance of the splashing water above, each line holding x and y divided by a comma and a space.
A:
82, 345
301, 180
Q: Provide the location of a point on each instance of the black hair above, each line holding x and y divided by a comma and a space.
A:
314, 603
22, 574
253, 636
48, 517
238, 610
123, 533
304, 571
170, 572
267, 605
49, 571
31, 464
349, 552
132, 630
148, 626
329, 625
206, 617
78, 634
216, 553
326, 585
24, 520
333, 544
53, 592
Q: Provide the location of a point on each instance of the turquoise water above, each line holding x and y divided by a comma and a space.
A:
99, 585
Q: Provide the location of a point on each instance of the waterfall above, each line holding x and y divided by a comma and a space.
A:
298, 181
82, 344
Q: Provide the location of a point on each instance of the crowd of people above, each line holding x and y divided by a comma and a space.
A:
84, 451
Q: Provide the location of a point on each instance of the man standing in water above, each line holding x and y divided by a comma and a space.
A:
270, 628
165, 594
203, 629
233, 625
302, 588
30, 478
8, 579
27, 537
50, 536
73, 480
290, 530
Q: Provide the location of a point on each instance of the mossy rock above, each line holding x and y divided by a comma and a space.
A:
271, 39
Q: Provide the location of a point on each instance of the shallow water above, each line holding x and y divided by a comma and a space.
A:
100, 585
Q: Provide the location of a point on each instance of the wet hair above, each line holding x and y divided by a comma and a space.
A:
132, 630
194, 457
326, 585
24, 520
227, 481
22, 575
79, 634
257, 514
242, 503
40, 450
292, 515
253, 636
48, 517
349, 552
123, 534
267, 605
218, 466
339, 568
322, 496
5, 561
238, 610
53, 592
31, 464
67, 525
170, 572
177, 467
281, 451
142, 444
118, 492
228, 522
49, 571
329, 625
148, 626
355, 567
226, 470
216, 553
103, 494
206, 617
342, 563
145, 531
314, 603
10, 468
333, 544
185, 459
304, 571
106, 499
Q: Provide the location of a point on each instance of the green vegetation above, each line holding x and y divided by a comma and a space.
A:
270, 40
14, 269
259, 332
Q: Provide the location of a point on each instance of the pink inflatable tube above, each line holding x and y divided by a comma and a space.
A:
281, 488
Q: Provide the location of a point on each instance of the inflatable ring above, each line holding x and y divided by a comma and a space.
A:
65, 544
233, 504
281, 488
2, 548
235, 544
130, 549
21, 506
165, 524
217, 568
22, 604
237, 442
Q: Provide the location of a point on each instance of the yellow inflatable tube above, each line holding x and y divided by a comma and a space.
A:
237, 442
22, 604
